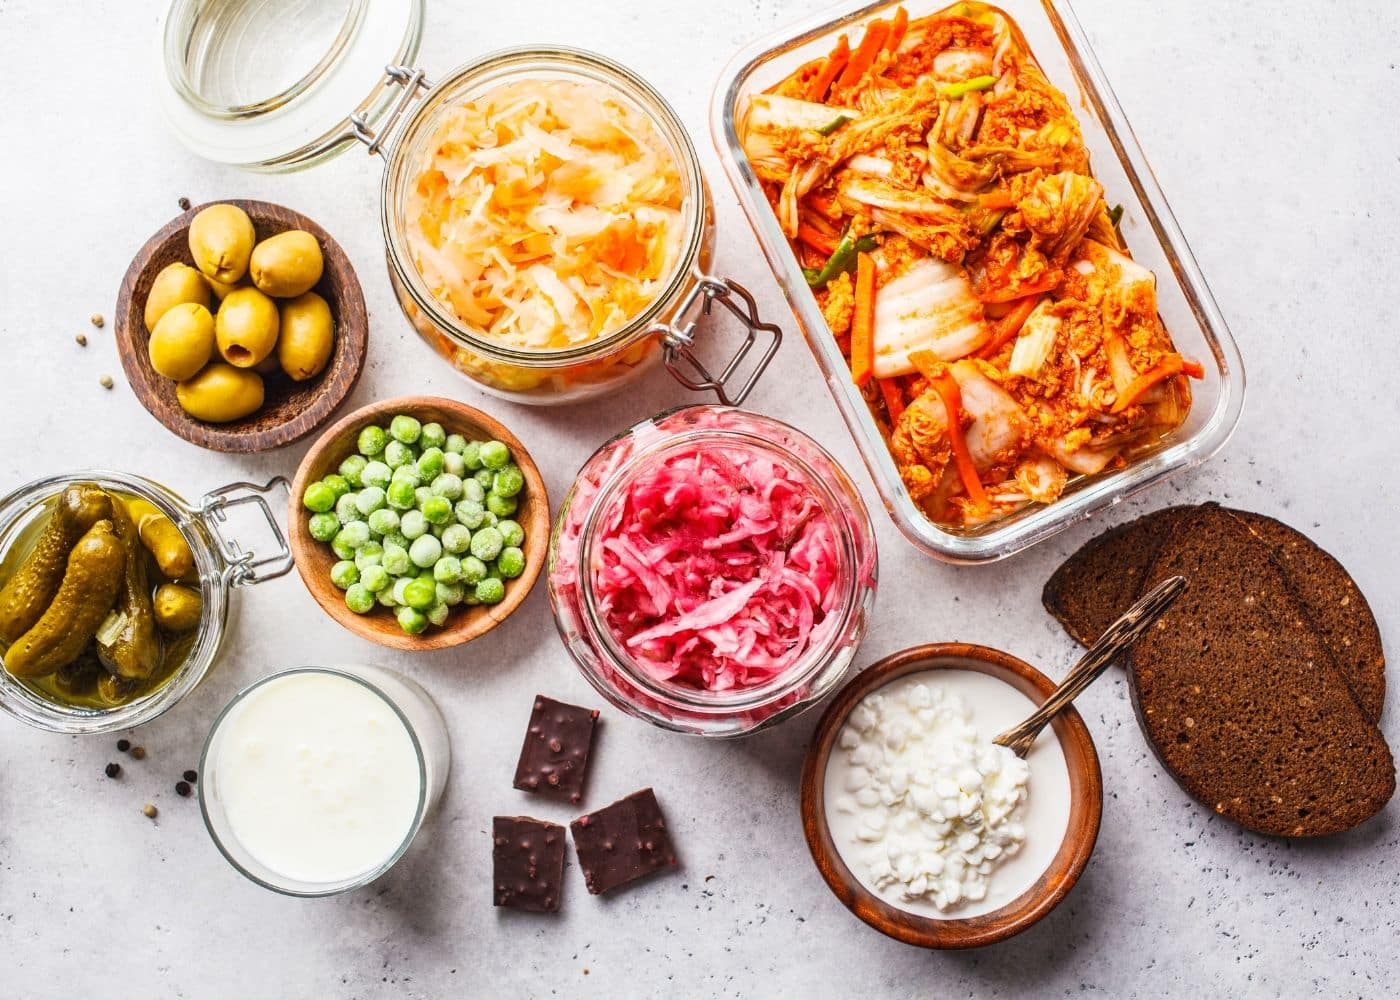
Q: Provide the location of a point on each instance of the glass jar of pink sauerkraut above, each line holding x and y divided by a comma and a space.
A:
712, 571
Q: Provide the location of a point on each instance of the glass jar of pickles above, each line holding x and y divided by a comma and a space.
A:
114, 595
547, 227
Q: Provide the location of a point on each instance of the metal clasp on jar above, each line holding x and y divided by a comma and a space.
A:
678, 339
245, 567
412, 81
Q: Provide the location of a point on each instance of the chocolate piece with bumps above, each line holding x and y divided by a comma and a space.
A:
527, 860
622, 842
555, 755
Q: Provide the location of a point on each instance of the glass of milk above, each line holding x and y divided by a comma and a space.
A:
315, 780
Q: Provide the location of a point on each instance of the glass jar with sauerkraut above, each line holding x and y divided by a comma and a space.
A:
547, 227
712, 571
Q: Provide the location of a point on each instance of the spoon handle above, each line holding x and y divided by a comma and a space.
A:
1115, 639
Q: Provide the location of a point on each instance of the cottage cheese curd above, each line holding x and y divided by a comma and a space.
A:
927, 811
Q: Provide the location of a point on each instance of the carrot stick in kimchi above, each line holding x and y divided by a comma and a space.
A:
864, 56
863, 323
835, 63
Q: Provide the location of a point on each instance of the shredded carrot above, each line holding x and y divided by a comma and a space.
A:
897, 29
1006, 294
1009, 326
894, 398
835, 63
816, 239
996, 200
863, 323
1193, 368
864, 56
951, 395
1170, 365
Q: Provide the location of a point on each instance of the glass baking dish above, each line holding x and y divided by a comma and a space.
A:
1148, 227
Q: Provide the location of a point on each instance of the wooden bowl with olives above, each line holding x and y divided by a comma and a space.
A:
241, 326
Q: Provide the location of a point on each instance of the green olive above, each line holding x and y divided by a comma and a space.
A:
221, 393
221, 240
176, 283
308, 334
221, 288
183, 341
288, 264
246, 327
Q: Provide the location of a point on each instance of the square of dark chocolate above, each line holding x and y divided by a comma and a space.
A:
555, 755
527, 863
622, 842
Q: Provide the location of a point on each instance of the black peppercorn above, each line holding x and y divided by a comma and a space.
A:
182, 789
191, 776
112, 770
123, 745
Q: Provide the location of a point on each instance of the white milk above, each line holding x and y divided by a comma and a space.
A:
318, 777
1044, 813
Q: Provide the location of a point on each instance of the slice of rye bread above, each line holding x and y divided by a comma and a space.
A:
1098, 583
1239, 697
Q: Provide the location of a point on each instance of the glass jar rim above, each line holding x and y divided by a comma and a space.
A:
18, 700
564, 60
208, 777
814, 658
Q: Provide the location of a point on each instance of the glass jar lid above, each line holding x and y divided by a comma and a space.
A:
273, 85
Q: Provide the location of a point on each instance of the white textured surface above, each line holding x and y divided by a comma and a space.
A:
1272, 130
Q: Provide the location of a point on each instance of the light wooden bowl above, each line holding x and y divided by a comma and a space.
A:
314, 559
1085, 789
290, 410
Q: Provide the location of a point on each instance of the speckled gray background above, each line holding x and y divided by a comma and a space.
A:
1272, 127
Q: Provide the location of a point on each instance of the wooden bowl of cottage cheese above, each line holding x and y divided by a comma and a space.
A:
923, 827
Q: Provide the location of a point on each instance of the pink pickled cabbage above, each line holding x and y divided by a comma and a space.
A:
546, 213
717, 568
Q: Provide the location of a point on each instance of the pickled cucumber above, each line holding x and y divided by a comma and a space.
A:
29, 592
130, 647
177, 608
84, 599
162, 538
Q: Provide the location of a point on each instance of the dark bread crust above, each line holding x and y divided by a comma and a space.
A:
1096, 584
1240, 699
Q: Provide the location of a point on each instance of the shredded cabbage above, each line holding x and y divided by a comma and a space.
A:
548, 213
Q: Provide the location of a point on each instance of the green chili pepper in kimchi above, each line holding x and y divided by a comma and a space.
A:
834, 124
952, 90
842, 259
1115, 215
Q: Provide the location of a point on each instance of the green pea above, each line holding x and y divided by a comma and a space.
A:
425, 551
456, 539
372, 441
473, 570
405, 428
490, 591
395, 559
386, 598
484, 477
511, 531
489, 519
345, 509
509, 481
494, 455
359, 599
400, 589
353, 469
396, 538
412, 621
451, 594
471, 455
319, 498
374, 578
437, 530
470, 514
420, 594
447, 485
511, 562
437, 614
400, 494
413, 524
370, 499
433, 435
455, 444
345, 573
339, 484
437, 510
323, 527
383, 521
396, 453
369, 554
487, 544
341, 549
472, 490
375, 474
448, 569
501, 506
408, 473
354, 534
430, 463
452, 462
421, 495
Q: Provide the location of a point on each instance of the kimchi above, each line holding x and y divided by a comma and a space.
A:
937, 190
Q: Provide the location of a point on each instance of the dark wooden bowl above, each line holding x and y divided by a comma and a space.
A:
314, 559
1086, 804
291, 410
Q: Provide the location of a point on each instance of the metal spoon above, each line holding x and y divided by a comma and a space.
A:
1127, 630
